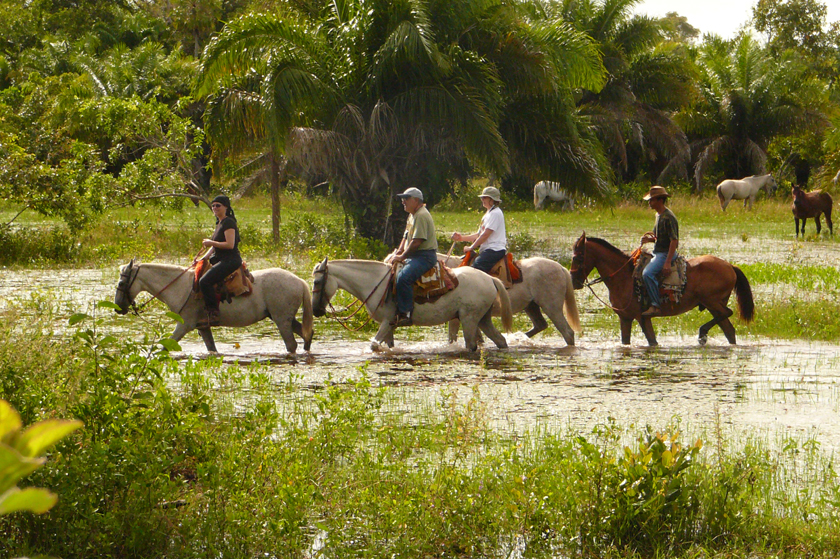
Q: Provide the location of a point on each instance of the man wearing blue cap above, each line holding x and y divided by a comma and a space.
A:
417, 250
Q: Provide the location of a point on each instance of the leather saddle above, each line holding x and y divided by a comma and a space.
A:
670, 287
238, 284
437, 281
507, 269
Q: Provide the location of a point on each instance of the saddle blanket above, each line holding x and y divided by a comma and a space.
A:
507, 269
671, 287
438, 281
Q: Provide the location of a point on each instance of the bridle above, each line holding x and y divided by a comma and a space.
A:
131, 277
578, 259
318, 287
127, 278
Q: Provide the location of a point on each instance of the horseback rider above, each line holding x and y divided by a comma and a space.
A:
417, 250
491, 235
666, 237
223, 254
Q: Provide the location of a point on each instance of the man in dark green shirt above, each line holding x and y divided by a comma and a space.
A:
666, 239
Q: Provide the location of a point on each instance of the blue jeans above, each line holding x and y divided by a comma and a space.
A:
486, 259
418, 264
651, 273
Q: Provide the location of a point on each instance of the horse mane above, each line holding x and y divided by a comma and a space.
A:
608, 246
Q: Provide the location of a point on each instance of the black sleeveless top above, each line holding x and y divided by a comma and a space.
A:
220, 254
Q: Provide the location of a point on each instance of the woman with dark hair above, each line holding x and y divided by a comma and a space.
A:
223, 255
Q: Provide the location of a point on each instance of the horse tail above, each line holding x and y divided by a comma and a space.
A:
720, 195
746, 304
537, 191
570, 308
504, 301
308, 319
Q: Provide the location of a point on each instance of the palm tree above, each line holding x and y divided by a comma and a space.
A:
647, 79
746, 100
381, 95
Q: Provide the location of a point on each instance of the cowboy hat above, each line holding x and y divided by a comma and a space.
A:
656, 192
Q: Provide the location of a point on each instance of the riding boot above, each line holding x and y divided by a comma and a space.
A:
402, 320
211, 319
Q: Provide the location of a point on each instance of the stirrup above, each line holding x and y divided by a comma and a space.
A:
211, 318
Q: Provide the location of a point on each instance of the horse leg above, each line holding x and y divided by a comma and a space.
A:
454, 324
486, 325
720, 314
647, 328
796, 221
533, 312
297, 328
559, 319
819, 225
286, 329
626, 328
209, 342
470, 327
828, 222
385, 335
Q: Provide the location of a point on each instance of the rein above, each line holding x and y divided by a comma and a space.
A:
137, 309
343, 320
601, 279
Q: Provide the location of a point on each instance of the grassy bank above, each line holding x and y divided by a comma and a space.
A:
198, 459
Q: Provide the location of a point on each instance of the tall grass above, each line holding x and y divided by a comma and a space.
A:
199, 459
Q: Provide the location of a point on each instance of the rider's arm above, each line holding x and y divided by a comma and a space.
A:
227, 244
457, 237
412, 246
479, 240
672, 250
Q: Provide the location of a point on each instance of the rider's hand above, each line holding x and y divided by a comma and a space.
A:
468, 248
666, 269
648, 238
456, 237
207, 242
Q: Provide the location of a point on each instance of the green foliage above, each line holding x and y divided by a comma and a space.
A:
21, 454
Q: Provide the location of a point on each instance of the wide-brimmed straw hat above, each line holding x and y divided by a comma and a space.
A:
491, 192
656, 192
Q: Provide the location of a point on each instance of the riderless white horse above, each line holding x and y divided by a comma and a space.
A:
546, 286
745, 189
277, 294
836, 178
552, 191
367, 280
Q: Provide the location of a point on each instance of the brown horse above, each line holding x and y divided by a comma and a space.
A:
710, 282
811, 204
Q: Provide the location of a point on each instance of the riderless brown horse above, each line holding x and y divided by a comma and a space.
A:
811, 204
710, 282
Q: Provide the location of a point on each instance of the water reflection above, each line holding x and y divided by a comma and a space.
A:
781, 389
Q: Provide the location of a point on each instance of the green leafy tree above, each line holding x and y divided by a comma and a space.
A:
379, 96
21, 454
747, 99
647, 80
677, 29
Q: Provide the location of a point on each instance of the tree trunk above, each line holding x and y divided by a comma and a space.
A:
275, 196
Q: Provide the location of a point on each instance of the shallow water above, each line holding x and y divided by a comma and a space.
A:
774, 389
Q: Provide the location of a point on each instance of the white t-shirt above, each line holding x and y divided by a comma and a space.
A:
494, 220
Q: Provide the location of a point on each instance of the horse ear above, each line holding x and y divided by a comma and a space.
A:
131, 263
322, 265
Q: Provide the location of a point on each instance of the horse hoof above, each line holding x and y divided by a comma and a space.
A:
702, 340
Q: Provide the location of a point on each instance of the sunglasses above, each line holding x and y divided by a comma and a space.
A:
216, 206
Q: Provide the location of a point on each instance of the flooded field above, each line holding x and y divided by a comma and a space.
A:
778, 390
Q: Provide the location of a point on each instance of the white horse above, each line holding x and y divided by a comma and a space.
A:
552, 191
277, 294
546, 286
367, 280
744, 189
836, 178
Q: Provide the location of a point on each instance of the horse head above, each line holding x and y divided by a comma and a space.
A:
798, 194
578, 271
771, 185
123, 299
319, 287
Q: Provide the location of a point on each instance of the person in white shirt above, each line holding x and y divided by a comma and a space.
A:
491, 235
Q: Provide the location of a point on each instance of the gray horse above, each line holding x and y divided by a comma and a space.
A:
277, 294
